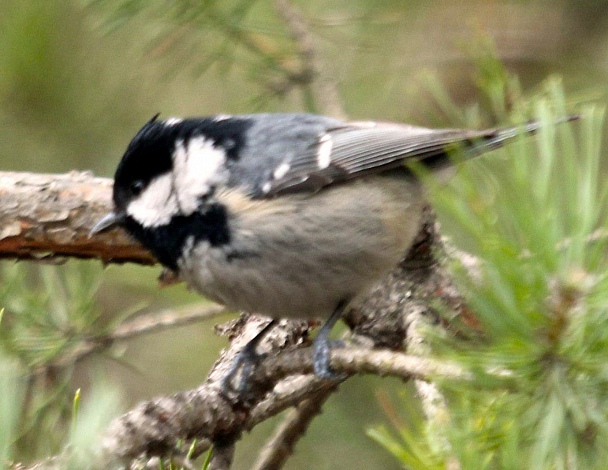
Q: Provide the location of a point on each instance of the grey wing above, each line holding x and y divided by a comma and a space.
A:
357, 149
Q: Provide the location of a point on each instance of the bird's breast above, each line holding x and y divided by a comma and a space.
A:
300, 256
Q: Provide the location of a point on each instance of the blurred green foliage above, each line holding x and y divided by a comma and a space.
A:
47, 314
10, 406
538, 353
79, 77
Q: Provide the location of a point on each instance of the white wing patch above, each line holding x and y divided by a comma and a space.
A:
198, 166
156, 204
324, 152
281, 171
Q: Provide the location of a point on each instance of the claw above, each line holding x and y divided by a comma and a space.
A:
244, 365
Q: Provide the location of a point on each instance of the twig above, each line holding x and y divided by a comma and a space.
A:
313, 71
222, 457
286, 394
433, 403
281, 444
395, 364
145, 324
163, 320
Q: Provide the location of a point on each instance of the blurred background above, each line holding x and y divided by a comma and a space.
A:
78, 78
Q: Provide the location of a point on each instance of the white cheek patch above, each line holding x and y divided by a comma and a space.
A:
197, 168
157, 204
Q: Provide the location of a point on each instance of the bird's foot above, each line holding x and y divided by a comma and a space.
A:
321, 354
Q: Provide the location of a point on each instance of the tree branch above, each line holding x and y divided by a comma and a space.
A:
48, 217
155, 427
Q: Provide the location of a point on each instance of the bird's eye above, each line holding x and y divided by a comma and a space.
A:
136, 187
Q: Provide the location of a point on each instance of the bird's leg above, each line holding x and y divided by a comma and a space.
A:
247, 358
322, 345
245, 361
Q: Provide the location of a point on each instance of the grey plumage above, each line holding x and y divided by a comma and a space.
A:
293, 141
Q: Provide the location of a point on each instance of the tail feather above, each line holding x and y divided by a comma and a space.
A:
476, 143
503, 135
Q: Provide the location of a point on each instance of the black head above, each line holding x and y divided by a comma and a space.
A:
164, 184
148, 156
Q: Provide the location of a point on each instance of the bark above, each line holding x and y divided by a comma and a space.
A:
48, 217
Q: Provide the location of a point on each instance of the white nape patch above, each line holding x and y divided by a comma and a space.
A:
281, 170
364, 124
324, 152
221, 117
172, 121
156, 204
198, 166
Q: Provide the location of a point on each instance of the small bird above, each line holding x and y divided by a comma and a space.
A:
286, 215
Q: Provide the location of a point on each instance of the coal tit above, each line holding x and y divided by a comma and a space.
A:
287, 215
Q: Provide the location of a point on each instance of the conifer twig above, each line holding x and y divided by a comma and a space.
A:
281, 444
145, 324
313, 71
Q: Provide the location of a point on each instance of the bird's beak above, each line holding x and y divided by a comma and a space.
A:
109, 220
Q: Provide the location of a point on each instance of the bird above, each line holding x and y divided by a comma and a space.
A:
289, 215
